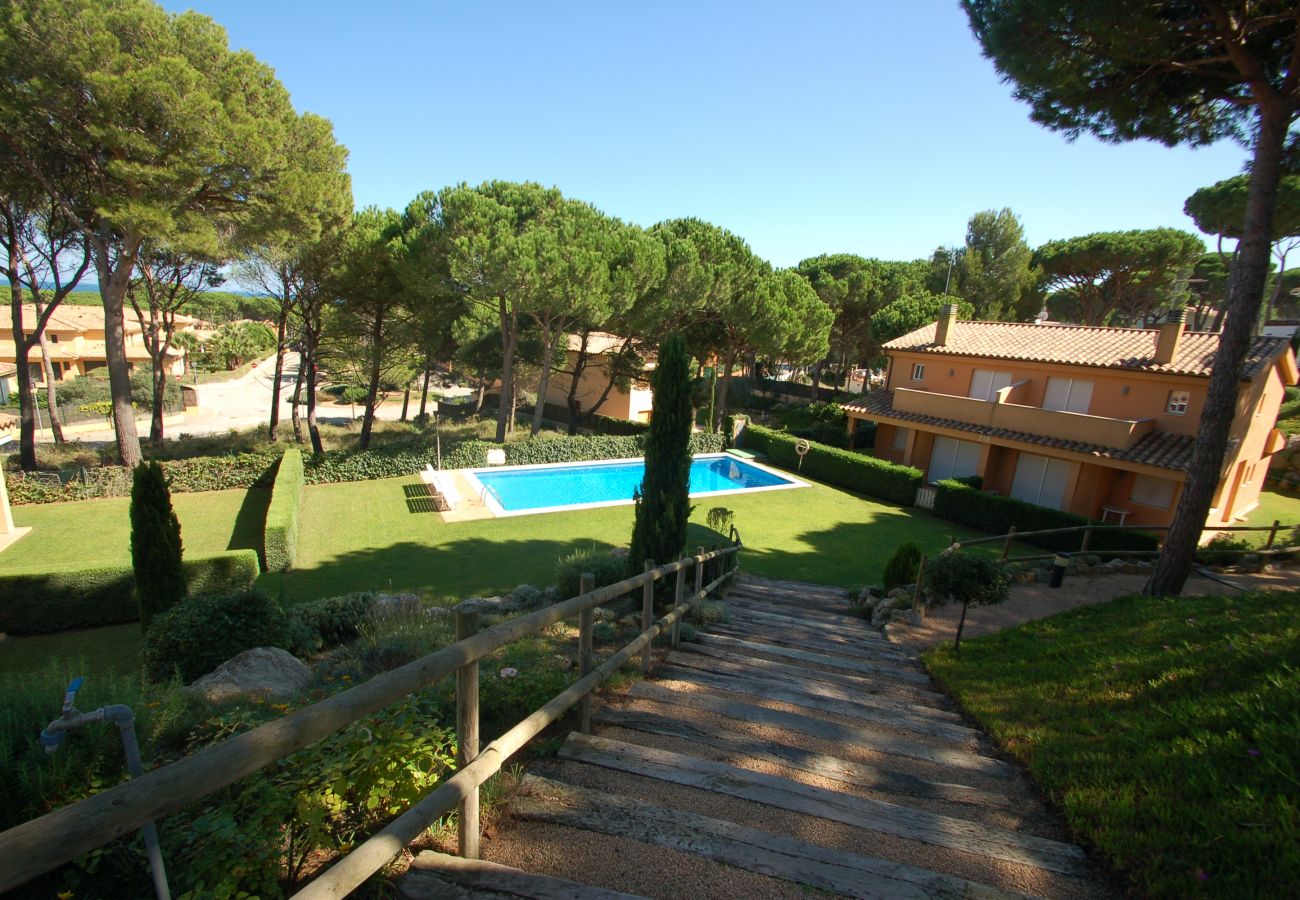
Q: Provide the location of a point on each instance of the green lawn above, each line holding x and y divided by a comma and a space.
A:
98, 532
1274, 506
1168, 731
361, 536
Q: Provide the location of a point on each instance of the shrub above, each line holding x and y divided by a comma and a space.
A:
852, 471
608, 569
155, 543
194, 637
40, 602
902, 566
719, 518
280, 533
826, 423
994, 514
335, 620
967, 579
396, 637
1222, 550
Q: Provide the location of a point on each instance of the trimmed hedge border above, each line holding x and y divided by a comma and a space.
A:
996, 514
41, 602
246, 470
280, 532
851, 471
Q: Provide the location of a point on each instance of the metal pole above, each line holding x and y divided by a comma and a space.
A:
467, 737
586, 625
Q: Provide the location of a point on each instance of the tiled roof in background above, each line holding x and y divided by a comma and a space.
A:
1084, 345
1158, 448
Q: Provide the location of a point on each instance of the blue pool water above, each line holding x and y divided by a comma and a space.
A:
548, 487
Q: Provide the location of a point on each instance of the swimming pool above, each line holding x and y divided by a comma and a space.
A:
520, 490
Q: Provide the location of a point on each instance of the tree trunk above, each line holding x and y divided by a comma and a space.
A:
724, 385
159, 395
424, 389
294, 415
539, 408
281, 325
313, 429
961, 623
26, 405
372, 390
505, 409
482, 394
579, 366
406, 400
1245, 293
112, 291
47, 367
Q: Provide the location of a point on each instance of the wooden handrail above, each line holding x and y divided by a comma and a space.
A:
1094, 526
39, 845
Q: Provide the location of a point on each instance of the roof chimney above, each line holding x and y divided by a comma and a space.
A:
1171, 334
947, 317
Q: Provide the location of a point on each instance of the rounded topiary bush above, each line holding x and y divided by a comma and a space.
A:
200, 633
608, 569
902, 566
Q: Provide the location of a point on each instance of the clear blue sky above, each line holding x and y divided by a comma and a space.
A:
806, 127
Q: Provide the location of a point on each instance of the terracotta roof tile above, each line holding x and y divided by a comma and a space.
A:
1084, 345
1158, 448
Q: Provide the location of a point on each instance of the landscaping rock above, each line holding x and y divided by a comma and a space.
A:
528, 595
880, 614
913, 617
900, 592
262, 671
899, 616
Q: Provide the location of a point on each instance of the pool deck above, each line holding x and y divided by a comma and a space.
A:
471, 507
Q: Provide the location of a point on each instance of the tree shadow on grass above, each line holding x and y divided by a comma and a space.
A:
250, 521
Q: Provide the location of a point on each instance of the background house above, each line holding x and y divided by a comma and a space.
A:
632, 402
1095, 421
76, 343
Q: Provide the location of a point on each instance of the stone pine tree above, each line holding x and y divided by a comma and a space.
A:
663, 500
155, 543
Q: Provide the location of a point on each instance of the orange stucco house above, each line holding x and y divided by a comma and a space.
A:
1095, 421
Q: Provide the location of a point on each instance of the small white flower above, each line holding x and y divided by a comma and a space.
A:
508, 672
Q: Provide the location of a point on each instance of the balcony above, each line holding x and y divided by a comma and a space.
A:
1065, 426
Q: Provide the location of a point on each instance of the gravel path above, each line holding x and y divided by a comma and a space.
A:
930, 807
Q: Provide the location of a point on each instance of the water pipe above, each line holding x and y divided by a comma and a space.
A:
52, 737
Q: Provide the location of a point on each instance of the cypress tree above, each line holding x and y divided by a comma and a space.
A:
663, 500
155, 543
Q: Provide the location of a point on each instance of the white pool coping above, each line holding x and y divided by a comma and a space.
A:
500, 512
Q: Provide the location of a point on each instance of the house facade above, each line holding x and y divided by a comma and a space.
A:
1099, 422
76, 342
632, 401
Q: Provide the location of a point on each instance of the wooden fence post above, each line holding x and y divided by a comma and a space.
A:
467, 735
1272, 534
647, 618
1006, 545
699, 583
920, 580
1087, 539
586, 625
678, 596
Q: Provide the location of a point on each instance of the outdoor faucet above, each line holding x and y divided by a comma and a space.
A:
52, 737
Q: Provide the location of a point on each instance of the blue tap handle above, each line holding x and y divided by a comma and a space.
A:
71, 694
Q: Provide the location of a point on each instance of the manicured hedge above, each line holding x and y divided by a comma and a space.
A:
996, 514
851, 471
280, 533
216, 473
38, 602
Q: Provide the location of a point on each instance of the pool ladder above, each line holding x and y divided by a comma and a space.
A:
489, 489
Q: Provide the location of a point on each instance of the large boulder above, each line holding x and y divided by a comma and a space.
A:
262, 672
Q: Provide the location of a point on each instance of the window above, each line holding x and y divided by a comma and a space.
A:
985, 384
900, 437
918, 371
951, 458
1068, 395
1152, 491
54, 339
1041, 480
1177, 403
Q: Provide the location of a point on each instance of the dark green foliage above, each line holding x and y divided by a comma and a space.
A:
1290, 394
902, 566
826, 423
155, 543
851, 471
280, 534
663, 503
40, 602
995, 515
967, 579
196, 636
244, 470
608, 569
1223, 550
334, 620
